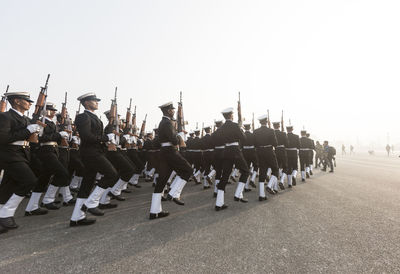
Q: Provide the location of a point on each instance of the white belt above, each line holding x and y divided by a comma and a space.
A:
209, 149
49, 144
304, 149
266, 146
248, 147
167, 144
232, 144
63, 147
219, 147
196, 150
280, 146
20, 143
291, 148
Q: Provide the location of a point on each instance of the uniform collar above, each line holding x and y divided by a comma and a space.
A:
19, 113
166, 117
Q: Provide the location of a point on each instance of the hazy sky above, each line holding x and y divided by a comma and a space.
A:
332, 66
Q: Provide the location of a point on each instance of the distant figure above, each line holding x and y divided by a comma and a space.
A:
329, 154
388, 149
371, 152
343, 150
319, 155
351, 149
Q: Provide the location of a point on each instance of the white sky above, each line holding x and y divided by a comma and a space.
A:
333, 66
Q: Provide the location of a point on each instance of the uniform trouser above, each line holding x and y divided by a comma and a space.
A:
250, 156
18, 179
328, 162
217, 163
142, 156
281, 158
310, 157
121, 163
292, 160
208, 157
52, 167
134, 156
75, 163
233, 156
197, 159
189, 157
149, 160
266, 159
96, 162
171, 159
303, 155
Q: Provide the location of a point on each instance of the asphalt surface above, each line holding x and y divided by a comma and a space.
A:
347, 222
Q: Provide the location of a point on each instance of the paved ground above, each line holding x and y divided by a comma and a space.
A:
348, 221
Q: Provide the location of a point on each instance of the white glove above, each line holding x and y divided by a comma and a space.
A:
33, 128
111, 138
128, 138
76, 140
64, 134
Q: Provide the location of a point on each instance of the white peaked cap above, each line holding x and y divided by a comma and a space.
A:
263, 117
227, 110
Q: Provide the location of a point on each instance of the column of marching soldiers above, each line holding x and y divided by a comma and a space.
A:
48, 154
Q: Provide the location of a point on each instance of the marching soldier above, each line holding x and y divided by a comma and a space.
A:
291, 150
219, 147
93, 140
310, 154
197, 155
208, 157
265, 141
231, 134
249, 153
304, 154
170, 159
280, 152
16, 130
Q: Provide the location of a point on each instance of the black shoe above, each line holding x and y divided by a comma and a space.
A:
303, 180
253, 185
307, 175
206, 187
137, 186
311, 173
323, 169
218, 208
85, 221
197, 182
281, 186
38, 211
69, 203
107, 206
247, 190
215, 195
126, 191
163, 199
50, 206
270, 191
243, 200
8, 223
178, 201
3, 229
232, 179
169, 197
331, 171
162, 214
75, 190
117, 197
294, 181
289, 186
94, 211
262, 199
28, 195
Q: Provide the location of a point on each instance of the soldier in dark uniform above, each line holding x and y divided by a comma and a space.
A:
148, 149
133, 154
292, 157
219, 147
92, 151
170, 159
310, 155
280, 152
76, 167
189, 148
15, 132
49, 155
250, 155
329, 152
265, 141
207, 147
231, 134
197, 155
304, 154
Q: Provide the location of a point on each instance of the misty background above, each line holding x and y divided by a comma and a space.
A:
332, 66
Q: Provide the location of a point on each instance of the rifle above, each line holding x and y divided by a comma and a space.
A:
3, 103
143, 128
79, 110
64, 110
134, 120
268, 119
239, 109
252, 123
129, 118
202, 130
179, 119
282, 127
114, 114
41, 101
